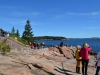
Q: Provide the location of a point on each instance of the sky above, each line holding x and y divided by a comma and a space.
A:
68, 18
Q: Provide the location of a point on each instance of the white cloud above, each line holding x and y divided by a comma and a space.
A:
44, 23
25, 13
20, 22
93, 27
79, 14
91, 13
95, 13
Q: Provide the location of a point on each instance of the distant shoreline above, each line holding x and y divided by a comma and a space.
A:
50, 38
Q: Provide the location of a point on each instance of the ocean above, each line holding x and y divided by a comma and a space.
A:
95, 44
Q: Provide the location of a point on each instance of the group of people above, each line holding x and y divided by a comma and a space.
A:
35, 45
4, 33
82, 59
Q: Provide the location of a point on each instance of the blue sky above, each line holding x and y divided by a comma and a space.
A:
68, 18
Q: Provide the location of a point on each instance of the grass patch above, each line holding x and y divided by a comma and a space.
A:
21, 40
4, 48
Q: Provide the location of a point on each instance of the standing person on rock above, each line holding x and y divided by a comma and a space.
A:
78, 59
61, 44
38, 45
85, 57
34, 45
98, 64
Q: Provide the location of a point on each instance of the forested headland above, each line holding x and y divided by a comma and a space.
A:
50, 38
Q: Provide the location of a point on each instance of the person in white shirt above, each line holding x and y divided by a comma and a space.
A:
7, 35
98, 64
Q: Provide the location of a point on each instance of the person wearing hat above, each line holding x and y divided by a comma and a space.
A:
78, 59
85, 57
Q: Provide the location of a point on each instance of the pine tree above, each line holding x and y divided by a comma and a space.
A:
13, 31
17, 33
28, 34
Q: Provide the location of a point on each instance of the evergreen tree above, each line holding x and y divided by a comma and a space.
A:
13, 31
28, 34
17, 33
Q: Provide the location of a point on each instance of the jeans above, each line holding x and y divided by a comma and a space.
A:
84, 66
97, 70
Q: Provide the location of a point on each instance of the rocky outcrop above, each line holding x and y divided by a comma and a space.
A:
17, 63
47, 61
63, 51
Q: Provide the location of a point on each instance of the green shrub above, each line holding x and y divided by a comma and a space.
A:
13, 36
23, 41
19, 39
4, 48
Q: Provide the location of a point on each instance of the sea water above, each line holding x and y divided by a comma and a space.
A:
95, 44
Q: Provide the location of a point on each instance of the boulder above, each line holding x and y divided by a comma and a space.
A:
66, 51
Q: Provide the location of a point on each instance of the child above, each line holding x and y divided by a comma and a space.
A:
78, 59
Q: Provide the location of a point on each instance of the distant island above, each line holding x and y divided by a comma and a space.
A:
51, 38
95, 38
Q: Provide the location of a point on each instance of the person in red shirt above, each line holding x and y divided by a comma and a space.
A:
85, 57
32, 45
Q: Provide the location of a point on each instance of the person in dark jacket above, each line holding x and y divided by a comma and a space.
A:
61, 44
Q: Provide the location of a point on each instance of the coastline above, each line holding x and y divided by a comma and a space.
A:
74, 42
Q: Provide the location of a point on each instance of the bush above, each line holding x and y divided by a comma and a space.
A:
23, 41
13, 36
4, 48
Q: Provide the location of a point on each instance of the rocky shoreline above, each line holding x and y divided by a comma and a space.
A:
47, 61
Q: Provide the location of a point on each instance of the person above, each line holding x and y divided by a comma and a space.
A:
0, 32
98, 64
78, 59
29, 43
66, 45
7, 35
43, 44
61, 44
38, 45
85, 57
34, 45
71, 47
